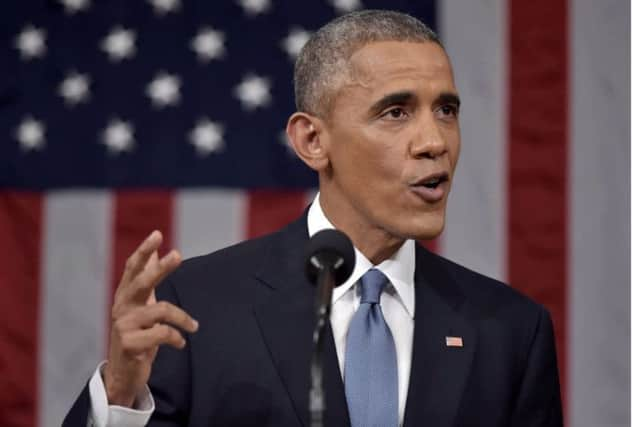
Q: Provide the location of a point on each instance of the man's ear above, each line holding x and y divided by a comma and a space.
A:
305, 134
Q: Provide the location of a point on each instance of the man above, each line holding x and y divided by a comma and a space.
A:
414, 339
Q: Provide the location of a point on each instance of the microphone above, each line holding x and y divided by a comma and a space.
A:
329, 261
329, 252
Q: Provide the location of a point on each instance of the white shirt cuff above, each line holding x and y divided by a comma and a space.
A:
104, 415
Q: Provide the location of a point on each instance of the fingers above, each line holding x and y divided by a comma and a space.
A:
147, 327
143, 271
139, 323
136, 262
155, 270
161, 312
142, 340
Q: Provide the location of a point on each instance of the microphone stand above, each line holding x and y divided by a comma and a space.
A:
323, 307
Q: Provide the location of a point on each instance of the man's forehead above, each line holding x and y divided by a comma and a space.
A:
376, 58
379, 65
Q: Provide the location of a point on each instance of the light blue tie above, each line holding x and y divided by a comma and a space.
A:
371, 360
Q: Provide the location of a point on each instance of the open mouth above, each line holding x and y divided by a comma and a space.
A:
433, 181
432, 188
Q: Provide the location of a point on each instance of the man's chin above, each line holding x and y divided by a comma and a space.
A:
426, 235
425, 228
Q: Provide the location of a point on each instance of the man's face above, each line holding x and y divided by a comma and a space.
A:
393, 140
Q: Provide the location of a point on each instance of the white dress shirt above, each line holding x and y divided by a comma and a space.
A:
397, 301
398, 306
104, 415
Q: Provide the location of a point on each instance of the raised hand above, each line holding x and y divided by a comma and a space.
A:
140, 324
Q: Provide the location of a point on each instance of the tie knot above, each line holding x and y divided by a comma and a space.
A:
371, 286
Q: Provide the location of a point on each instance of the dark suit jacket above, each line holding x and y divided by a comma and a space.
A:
248, 364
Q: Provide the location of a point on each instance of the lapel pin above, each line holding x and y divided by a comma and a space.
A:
454, 342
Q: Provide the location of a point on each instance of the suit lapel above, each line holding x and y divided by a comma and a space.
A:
438, 371
286, 320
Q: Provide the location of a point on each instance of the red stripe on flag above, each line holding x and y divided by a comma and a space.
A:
136, 214
538, 132
269, 210
20, 270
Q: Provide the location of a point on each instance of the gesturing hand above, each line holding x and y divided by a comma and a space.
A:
140, 324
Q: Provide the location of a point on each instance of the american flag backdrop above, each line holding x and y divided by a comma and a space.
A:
118, 117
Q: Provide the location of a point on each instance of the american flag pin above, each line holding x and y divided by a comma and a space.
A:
454, 342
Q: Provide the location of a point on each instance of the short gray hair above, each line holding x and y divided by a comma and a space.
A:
324, 60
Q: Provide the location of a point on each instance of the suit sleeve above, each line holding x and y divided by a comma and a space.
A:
78, 414
538, 402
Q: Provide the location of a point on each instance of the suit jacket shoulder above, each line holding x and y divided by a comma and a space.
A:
506, 351
227, 276
486, 296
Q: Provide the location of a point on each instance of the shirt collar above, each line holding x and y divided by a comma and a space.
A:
399, 268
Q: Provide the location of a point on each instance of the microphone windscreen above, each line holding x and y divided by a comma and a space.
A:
329, 247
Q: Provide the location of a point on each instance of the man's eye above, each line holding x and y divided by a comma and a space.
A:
395, 113
449, 110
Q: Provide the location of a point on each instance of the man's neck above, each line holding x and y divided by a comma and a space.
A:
374, 243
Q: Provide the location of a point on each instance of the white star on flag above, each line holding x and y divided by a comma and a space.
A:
295, 41
30, 134
75, 88
74, 6
346, 6
118, 136
163, 7
207, 137
164, 90
31, 42
253, 92
119, 44
208, 44
255, 7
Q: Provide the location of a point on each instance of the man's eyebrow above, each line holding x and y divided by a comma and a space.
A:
449, 98
392, 99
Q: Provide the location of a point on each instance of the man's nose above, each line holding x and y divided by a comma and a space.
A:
428, 141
